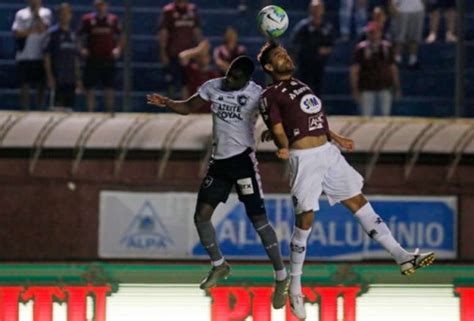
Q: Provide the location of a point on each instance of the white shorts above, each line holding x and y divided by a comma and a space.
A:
321, 169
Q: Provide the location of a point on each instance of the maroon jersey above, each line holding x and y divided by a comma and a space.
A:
375, 65
293, 104
224, 53
101, 34
180, 24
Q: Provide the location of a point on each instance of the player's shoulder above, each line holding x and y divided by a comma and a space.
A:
269, 90
89, 16
43, 11
169, 7
192, 7
112, 17
362, 45
23, 13
254, 87
213, 84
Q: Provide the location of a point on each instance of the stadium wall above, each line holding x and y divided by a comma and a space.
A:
50, 215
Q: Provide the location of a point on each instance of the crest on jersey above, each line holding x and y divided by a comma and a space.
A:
242, 100
207, 181
310, 104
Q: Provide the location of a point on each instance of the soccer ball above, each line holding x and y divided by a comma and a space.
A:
272, 21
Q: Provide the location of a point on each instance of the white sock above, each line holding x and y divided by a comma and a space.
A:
297, 256
280, 275
398, 59
378, 230
412, 59
218, 262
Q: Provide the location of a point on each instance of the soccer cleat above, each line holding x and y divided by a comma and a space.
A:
297, 306
217, 273
419, 260
280, 293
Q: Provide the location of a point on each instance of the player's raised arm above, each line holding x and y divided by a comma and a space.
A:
182, 107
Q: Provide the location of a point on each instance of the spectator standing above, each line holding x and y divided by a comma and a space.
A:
101, 46
374, 74
61, 59
407, 28
346, 8
179, 29
30, 30
196, 64
311, 44
229, 50
449, 9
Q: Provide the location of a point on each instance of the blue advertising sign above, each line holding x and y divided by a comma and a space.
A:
428, 223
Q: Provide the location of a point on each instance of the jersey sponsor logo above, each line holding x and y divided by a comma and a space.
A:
245, 186
227, 112
315, 122
296, 132
310, 104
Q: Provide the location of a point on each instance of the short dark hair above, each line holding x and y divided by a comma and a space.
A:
244, 64
264, 55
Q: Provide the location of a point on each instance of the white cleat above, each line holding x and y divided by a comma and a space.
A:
419, 260
297, 306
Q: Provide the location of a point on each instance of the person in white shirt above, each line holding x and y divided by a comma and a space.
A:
30, 31
235, 107
407, 28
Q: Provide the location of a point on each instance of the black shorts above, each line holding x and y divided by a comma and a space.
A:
441, 4
99, 73
65, 95
31, 72
240, 171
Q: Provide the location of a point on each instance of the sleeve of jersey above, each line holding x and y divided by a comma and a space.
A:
205, 91
269, 110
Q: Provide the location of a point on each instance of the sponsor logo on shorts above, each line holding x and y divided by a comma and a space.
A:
207, 181
310, 104
245, 186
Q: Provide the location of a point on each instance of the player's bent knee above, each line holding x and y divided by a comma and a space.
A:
355, 203
203, 212
304, 220
259, 220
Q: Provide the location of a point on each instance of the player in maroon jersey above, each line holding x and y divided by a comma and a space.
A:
299, 128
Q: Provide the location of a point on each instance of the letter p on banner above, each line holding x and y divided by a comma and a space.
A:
229, 303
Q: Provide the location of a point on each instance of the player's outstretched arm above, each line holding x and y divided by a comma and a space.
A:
342, 141
281, 141
182, 107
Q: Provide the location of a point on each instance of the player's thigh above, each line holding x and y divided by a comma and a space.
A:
215, 188
306, 179
341, 181
248, 184
250, 194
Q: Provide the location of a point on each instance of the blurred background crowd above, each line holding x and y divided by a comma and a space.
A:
363, 57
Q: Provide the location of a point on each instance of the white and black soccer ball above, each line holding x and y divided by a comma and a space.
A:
272, 21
